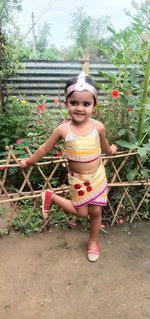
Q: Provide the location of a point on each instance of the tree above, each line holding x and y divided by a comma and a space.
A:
8, 48
87, 32
42, 38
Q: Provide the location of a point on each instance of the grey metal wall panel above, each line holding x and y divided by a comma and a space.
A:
48, 78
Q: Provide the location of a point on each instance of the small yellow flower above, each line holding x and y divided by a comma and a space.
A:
23, 101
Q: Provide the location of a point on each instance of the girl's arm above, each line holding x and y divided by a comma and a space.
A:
105, 146
44, 148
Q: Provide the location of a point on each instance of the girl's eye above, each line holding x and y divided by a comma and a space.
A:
73, 103
86, 104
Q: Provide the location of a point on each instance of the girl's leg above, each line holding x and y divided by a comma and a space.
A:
49, 197
67, 205
95, 213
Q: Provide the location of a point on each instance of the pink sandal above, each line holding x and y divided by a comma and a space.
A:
93, 254
47, 200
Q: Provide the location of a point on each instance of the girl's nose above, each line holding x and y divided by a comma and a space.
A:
80, 107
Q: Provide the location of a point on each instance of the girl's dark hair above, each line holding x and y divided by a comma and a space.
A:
88, 79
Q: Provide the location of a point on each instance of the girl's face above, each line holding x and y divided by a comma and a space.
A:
80, 106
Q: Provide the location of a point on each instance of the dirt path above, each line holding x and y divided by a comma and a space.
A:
47, 275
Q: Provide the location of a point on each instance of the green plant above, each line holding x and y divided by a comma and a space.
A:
9, 43
34, 223
3, 212
127, 101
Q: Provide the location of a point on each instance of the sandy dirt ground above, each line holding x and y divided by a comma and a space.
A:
47, 276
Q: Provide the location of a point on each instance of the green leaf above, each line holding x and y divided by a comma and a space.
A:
131, 175
147, 146
110, 76
142, 151
122, 132
126, 144
145, 172
111, 30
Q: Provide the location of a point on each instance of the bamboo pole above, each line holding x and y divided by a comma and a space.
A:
135, 212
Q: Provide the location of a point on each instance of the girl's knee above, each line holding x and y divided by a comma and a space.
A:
95, 211
83, 212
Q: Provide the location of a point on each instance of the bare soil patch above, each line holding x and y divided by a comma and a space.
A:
48, 276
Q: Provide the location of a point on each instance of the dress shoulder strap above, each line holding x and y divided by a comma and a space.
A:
94, 122
68, 128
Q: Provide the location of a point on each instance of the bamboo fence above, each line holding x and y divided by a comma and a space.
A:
116, 165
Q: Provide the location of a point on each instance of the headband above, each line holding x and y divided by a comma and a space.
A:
81, 85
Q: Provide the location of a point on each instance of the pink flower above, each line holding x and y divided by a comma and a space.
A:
73, 224
58, 153
20, 141
2, 168
102, 226
121, 221
41, 107
118, 103
57, 101
115, 94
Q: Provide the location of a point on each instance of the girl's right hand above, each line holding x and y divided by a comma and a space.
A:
24, 163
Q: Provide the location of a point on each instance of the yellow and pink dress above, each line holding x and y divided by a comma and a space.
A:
85, 188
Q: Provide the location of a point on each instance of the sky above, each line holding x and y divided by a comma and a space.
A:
58, 13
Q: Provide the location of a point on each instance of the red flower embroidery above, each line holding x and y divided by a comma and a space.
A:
41, 107
89, 188
77, 186
19, 141
115, 94
81, 193
86, 183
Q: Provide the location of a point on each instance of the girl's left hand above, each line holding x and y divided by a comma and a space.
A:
114, 149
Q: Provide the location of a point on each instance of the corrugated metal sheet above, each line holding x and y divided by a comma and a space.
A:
48, 78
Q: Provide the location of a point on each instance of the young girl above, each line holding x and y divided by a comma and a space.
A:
83, 138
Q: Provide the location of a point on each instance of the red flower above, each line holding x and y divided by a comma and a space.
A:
41, 107
89, 188
130, 109
86, 183
20, 141
115, 94
127, 93
58, 153
81, 193
77, 186
2, 168
57, 100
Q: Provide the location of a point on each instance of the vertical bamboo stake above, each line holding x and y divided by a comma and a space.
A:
85, 67
144, 99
